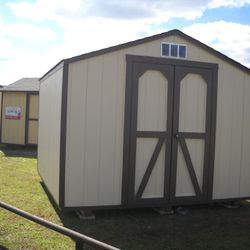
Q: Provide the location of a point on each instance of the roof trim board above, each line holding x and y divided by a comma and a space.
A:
58, 66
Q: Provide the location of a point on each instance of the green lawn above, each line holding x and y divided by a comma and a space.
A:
203, 227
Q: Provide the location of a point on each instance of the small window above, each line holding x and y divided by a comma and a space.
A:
165, 49
182, 51
174, 50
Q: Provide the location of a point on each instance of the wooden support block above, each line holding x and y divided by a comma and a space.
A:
182, 210
231, 204
85, 214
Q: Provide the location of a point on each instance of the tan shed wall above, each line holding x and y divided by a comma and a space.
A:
95, 120
49, 131
232, 158
13, 131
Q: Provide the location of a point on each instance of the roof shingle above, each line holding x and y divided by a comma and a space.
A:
23, 84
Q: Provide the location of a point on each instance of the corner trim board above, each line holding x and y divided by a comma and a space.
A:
63, 136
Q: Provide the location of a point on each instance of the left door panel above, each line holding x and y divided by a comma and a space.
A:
151, 129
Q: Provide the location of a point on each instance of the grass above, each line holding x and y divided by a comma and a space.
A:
203, 227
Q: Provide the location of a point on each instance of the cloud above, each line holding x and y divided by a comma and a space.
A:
31, 47
120, 10
228, 3
43, 9
4, 59
95, 24
230, 38
28, 32
135, 9
159, 10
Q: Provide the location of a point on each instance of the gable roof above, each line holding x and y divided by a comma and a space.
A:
149, 39
23, 84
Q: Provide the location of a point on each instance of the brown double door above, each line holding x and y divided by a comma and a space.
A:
169, 131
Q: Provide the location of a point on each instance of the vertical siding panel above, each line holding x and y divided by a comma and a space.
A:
120, 109
93, 123
108, 127
245, 141
118, 131
225, 135
236, 132
76, 129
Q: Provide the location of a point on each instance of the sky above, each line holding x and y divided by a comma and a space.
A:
37, 34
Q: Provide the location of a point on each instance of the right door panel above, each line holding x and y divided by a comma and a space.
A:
191, 133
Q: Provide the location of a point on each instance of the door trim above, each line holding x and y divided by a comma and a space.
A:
129, 96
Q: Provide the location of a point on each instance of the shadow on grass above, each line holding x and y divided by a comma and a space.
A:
51, 200
204, 227
108, 226
3, 248
19, 151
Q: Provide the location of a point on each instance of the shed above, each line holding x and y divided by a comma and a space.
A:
19, 112
160, 121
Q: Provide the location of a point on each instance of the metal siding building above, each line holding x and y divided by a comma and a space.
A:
19, 112
128, 126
